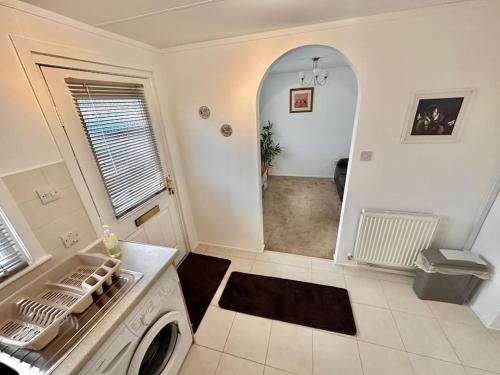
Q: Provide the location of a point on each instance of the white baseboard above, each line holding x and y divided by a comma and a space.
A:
194, 247
375, 268
298, 175
232, 247
489, 325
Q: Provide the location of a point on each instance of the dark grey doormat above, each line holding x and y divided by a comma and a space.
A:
200, 277
312, 305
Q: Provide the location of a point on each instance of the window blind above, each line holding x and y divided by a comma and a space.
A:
118, 128
13, 255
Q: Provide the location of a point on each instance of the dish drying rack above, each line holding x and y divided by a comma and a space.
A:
31, 317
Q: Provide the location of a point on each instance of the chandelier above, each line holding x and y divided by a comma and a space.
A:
318, 78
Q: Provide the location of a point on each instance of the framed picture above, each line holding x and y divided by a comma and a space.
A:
436, 117
301, 100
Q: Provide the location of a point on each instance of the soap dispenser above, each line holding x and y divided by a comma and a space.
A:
111, 243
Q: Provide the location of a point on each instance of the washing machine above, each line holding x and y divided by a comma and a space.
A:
154, 339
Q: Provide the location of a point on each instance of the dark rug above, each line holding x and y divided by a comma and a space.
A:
200, 277
312, 305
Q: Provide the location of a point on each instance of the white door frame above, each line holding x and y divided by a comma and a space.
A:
33, 53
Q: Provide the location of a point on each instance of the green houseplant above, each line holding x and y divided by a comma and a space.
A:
268, 149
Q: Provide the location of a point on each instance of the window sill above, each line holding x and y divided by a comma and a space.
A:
25, 271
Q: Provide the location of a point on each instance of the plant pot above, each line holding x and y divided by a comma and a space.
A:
264, 169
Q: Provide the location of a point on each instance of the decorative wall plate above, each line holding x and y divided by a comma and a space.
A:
226, 130
204, 112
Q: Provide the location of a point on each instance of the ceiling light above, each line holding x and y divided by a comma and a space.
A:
318, 77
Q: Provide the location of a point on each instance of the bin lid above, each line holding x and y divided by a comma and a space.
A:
453, 259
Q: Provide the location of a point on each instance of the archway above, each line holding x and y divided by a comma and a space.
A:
313, 121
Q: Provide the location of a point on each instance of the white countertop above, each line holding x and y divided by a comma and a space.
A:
151, 261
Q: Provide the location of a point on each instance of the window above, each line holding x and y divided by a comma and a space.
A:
13, 254
119, 131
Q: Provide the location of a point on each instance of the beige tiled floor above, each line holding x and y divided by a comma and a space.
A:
398, 334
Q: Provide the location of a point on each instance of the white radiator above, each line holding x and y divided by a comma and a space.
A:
392, 238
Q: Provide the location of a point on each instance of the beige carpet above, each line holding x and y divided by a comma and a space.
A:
301, 216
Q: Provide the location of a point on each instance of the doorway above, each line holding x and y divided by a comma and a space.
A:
112, 126
307, 106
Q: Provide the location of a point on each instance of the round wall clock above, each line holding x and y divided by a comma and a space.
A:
204, 112
226, 130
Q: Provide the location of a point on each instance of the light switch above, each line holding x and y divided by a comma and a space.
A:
366, 156
48, 194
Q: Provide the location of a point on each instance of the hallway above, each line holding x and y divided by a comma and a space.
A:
301, 216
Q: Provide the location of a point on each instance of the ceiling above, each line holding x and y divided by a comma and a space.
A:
165, 23
300, 59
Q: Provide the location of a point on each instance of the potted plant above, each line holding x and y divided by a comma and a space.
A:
268, 150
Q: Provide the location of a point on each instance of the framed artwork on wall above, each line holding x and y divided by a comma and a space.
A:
436, 117
301, 100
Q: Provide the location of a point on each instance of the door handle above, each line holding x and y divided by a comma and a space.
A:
169, 183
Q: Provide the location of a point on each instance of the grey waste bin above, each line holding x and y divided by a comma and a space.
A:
441, 279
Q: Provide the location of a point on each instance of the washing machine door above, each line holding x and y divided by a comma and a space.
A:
158, 346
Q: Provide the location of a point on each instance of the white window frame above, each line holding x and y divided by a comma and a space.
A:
23, 230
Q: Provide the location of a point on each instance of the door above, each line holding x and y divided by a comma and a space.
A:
140, 163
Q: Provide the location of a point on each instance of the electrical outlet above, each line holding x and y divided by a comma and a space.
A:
70, 238
48, 195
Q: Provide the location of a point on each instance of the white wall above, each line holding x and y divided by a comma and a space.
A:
453, 46
486, 302
311, 141
51, 220
25, 139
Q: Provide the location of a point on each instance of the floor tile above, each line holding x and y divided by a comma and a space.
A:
379, 360
201, 249
429, 366
290, 348
326, 265
200, 361
372, 273
230, 365
361, 272
475, 371
273, 371
282, 258
474, 346
327, 277
422, 335
376, 325
243, 254
295, 273
366, 291
396, 278
266, 269
495, 334
249, 337
401, 297
450, 312
214, 328
218, 293
239, 265
335, 352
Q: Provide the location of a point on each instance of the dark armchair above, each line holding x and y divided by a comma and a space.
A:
340, 176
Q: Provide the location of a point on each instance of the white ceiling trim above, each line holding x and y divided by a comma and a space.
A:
323, 26
56, 17
307, 71
161, 11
